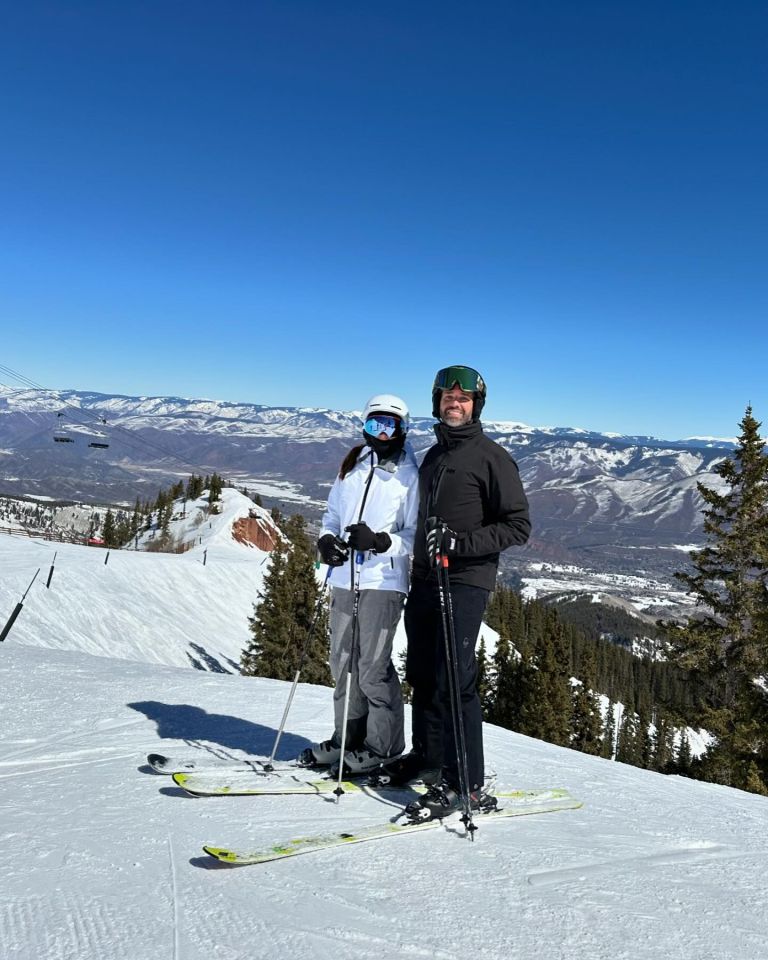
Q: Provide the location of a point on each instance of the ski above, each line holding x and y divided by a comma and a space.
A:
520, 803
250, 785
256, 783
209, 764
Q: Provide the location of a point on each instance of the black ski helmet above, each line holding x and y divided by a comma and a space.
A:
467, 379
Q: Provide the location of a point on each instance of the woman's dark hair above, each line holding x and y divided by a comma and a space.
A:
350, 460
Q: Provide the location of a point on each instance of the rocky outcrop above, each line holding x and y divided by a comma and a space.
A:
255, 530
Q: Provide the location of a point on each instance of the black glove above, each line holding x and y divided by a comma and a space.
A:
361, 537
333, 551
441, 540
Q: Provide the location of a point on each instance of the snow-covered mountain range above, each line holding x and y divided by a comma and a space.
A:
605, 506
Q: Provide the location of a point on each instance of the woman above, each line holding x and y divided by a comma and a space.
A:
367, 538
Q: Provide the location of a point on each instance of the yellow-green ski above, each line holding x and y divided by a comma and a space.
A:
249, 784
518, 803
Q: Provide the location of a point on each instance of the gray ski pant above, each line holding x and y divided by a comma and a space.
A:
375, 719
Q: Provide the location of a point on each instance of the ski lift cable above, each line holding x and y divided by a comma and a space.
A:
84, 419
129, 437
83, 416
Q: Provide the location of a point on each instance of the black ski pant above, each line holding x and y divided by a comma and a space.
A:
427, 673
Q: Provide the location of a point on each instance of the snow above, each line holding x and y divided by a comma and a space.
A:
133, 605
542, 579
104, 859
716, 441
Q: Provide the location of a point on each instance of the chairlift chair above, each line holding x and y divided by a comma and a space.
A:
61, 434
99, 441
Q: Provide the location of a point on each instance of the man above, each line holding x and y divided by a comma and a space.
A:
471, 507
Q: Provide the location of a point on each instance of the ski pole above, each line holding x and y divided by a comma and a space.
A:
454, 690
356, 561
268, 766
50, 572
17, 609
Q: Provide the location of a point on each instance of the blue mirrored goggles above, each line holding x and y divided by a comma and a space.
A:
382, 423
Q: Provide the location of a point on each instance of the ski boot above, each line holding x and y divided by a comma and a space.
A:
406, 769
319, 755
441, 800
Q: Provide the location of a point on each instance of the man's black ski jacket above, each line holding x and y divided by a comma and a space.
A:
473, 484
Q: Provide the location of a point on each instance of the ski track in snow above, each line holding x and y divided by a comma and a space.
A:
104, 856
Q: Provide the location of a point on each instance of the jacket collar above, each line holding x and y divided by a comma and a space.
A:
387, 464
450, 437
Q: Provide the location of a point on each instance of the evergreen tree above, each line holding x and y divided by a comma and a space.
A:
502, 695
726, 644
628, 746
608, 742
194, 487
645, 741
215, 487
684, 759
282, 619
167, 513
122, 530
483, 674
135, 519
271, 625
664, 746
586, 722
108, 531
546, 708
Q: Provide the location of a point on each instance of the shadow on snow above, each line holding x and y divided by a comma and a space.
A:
216, 732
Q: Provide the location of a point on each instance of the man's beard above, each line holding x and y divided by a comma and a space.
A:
459, 419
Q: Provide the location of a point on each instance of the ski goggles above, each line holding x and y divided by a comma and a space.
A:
466, 378
382, 423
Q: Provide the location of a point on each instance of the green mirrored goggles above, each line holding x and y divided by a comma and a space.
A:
466, 378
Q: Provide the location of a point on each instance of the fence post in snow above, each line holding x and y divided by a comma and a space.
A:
205, 556
17, 610
50, 572
106, 559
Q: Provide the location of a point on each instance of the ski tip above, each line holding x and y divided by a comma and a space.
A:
221, 854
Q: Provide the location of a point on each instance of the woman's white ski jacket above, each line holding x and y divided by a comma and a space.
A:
391, 505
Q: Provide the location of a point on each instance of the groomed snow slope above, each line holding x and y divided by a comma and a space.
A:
187, 609
103, 858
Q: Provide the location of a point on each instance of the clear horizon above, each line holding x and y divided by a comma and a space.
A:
351, 410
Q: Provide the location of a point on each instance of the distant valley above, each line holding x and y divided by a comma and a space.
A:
613, 515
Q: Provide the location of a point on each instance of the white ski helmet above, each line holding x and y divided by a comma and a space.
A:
388, 403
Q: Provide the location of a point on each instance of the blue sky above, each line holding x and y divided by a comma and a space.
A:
303, 203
